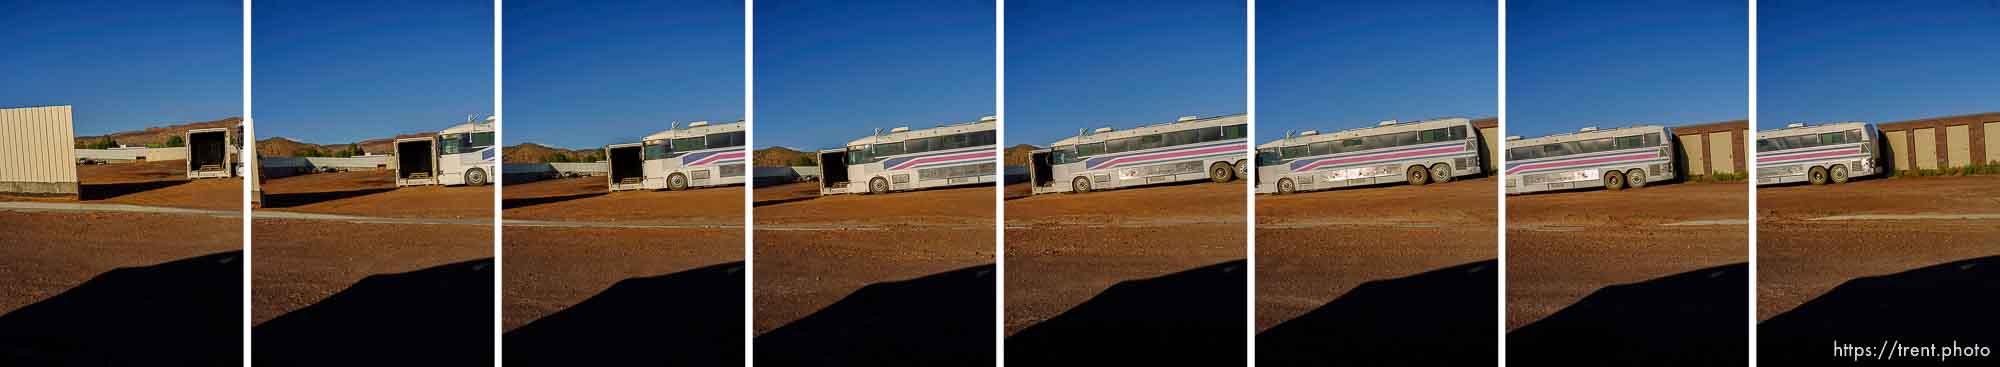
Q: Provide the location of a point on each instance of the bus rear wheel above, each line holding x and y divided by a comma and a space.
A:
1221, 172
1418, 175
878, 186
1242, 170
677, 182
1080, 185
1816, 175
1614, 180
1286, 187
1838, 173
475, 177
1441, 173
1635, 178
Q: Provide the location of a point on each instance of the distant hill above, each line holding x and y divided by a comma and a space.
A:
782, 157
158, 135
537, 153
1018, 155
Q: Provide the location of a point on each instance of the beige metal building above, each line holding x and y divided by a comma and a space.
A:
37, 151
1489, 139
1713, 148
1942, 142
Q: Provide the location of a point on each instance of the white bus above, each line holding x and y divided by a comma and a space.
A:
1817, 154
1188, 149
904, 159
1412, 152
1614, 159
461, 155
699, 155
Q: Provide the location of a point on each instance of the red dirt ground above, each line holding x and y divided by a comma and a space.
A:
1798, 260
586, 199
299, 262
45, 253
550, 269
374, 193
1614, 237
812, 252
161, 183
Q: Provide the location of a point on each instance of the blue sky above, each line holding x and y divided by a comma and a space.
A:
1572, 64
124, 65
1122, 63
1336, 65
342, 71
828, 72
588, 74
1829, 61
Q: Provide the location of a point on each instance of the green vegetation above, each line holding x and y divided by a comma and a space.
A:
805, 161
308, 153
1720, 177
351, 151
105, 143
175, 142
1988, 168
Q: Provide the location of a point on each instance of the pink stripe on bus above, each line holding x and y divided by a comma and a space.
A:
1829, 153
943, 158
1115, 161
1395, 155
1585, 161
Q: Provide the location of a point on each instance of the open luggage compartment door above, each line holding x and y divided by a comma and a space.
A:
832, 172
416, 162
208, 154
626, 165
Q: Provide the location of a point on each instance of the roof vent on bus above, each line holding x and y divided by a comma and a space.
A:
698, 123
989, 118
1587, 129
1309, 133
899, 129
1188, 118
1386, 123
1796, 124
1101, 130
1513, 137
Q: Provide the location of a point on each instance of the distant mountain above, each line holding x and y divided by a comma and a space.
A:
782, 157
1018, 155
537, 153
159, 135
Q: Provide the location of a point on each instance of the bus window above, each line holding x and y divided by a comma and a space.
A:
1652, 140
655, 150
1406, 138
884, 150
1062, 155
725, 140
1629, 142
1833, 138
919, 145
1118, 145
1267, 158
1434, 135
858, 155
955, 141
481, 140
1086, 150
1208, 134
451, 144
1292, 152
1149, 142
1854, 136
1764, 145
689, 144
1234, 131
987, 137
1458, 133
1183, 137
1320, 148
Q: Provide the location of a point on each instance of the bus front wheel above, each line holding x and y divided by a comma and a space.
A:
1080, 185
1838, 173
1418, 175
878, 186
1286, 187
1440, 173
1614, 180
1635, 178
475, 177
1221, 172
677, 182
1816, 175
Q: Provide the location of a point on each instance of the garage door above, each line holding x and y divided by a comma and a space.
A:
1958, 145
1691, 145
1992, 142
1899, 148
1721, 153
1926, 152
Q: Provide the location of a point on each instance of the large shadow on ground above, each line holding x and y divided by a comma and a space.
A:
106, 191
275, 201
1443, 317
187, 312
689, 318
1695, 318
441, 316
527, 202
1939, 304
1193, 318
943, 319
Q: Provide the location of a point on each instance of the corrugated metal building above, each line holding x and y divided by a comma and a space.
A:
37, 151
1713, 148
1489, 137
1942, 142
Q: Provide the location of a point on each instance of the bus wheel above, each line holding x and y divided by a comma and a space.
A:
1418, 175
1285, 187
1838, 173
677, 182
1221, 172
1614, 180
1816, 175
475, 177
878, 186
1080, 185
1440, 173
1635, 178
1242, 170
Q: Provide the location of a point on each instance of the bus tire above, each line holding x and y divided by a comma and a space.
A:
1614, 180
1242, 170
1838, 174
475, 177
1816, 175
1635, 178
1286, 187
1441, 173
878, 186
677, 182
1221, 172
1079, 185
1418, 175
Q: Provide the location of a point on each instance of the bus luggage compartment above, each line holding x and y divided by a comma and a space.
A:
416, 162
832, 172
208, 154
627, 167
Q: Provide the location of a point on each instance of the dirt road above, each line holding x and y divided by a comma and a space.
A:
811, 251
374, 193
1063, 249
1309, 252
298, 263
1562, 246
587, 199
1802, 255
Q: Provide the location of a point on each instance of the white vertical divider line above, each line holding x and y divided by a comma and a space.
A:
1250, 190
1500, 185
749, 141
249, 155
999, 187
499, 184
1750, 158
